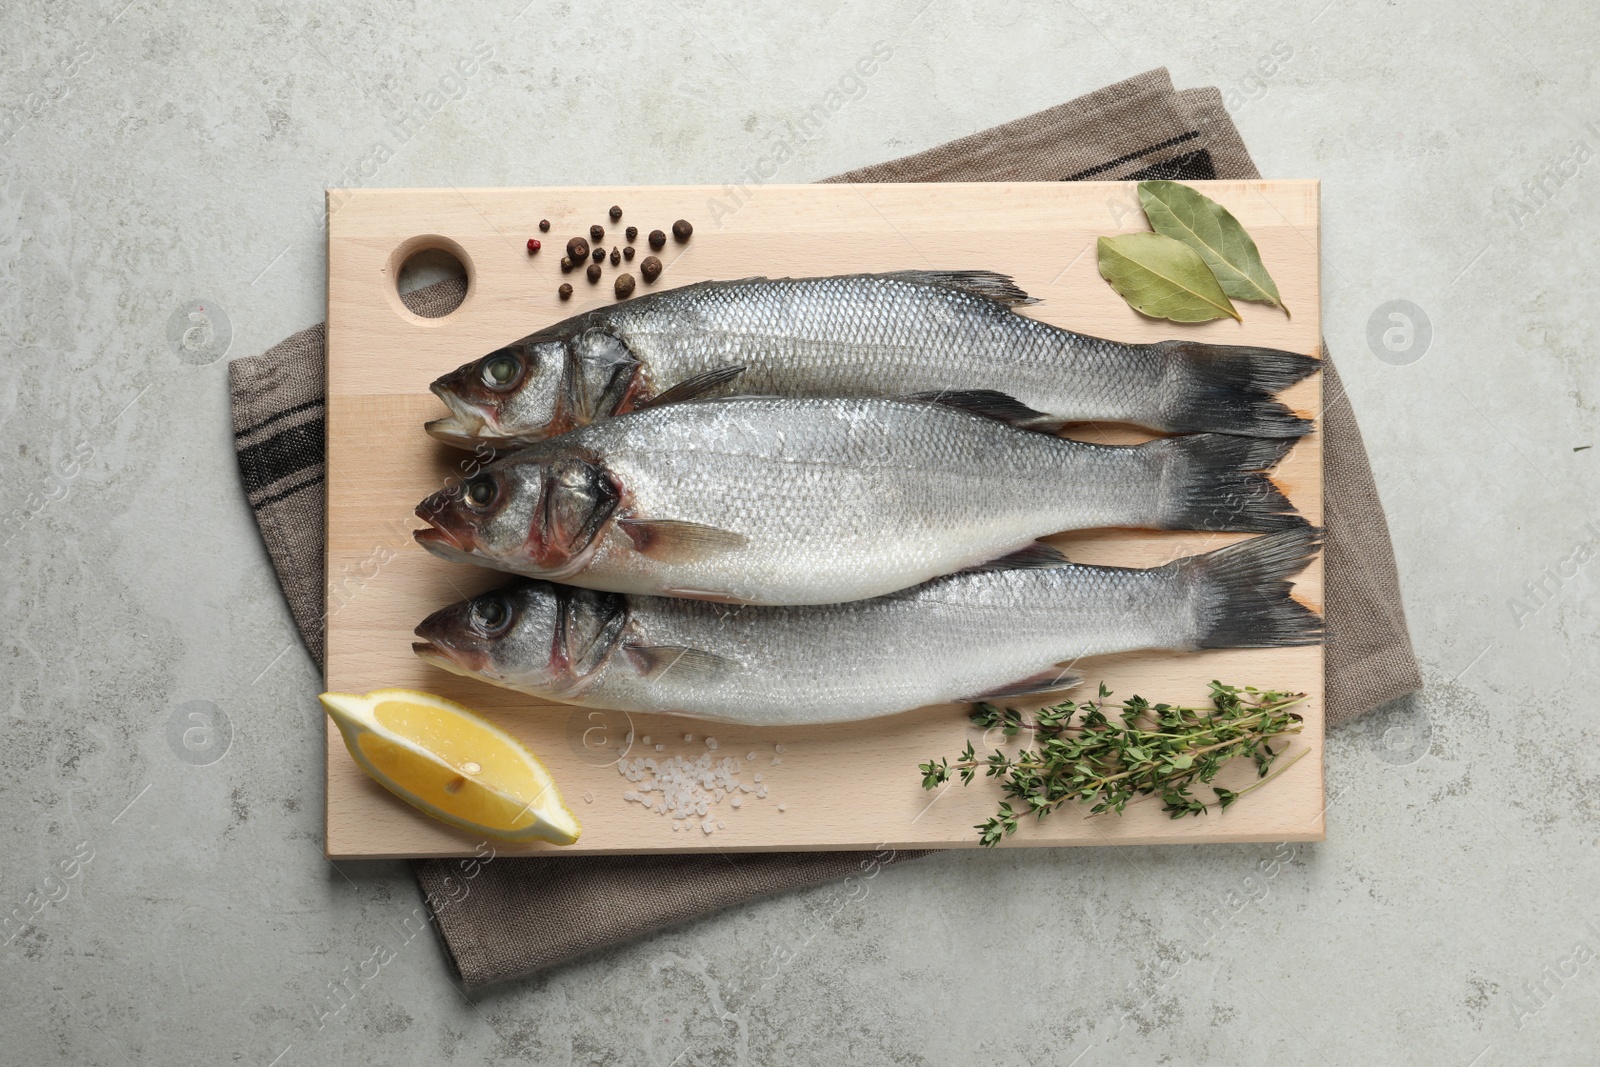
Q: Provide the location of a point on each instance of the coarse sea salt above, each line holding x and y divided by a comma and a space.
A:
687, 789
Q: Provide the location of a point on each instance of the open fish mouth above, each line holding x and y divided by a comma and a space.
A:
439, 540
467, 663
447, 641
454, 430
441, 544
466, 425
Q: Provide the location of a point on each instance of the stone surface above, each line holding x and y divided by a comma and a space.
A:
166, 853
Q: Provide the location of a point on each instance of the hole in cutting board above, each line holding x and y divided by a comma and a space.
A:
432, 278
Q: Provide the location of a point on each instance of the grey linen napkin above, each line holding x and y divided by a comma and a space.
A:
511, 917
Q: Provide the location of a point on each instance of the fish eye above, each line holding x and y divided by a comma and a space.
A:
480, 492
491, 614
502, 372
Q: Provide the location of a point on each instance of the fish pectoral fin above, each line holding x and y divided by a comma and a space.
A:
1037, 556
673, 541
692, 664
993, 404
1045, 681
985, 283
693, 386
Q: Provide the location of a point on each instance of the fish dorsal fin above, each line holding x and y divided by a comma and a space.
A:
693, 386
673, 541
993, 404
1035, 557
1045, 681
690, 664
985, 283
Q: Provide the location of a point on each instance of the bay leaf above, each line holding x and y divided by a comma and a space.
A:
1188, 215
1162, 278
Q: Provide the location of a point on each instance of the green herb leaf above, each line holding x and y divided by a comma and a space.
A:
1149, 750
1162, 278
1188, 215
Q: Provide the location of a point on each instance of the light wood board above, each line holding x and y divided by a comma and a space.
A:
845, 786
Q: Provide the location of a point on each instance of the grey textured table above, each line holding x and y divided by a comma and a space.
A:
161, 770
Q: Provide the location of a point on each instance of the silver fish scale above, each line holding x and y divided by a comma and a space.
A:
842, 499
955, 638
871, 335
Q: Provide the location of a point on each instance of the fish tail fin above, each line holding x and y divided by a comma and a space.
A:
1214, 481
1230, 389
1242, 592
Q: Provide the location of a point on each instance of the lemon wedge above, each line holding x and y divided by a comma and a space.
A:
450, 763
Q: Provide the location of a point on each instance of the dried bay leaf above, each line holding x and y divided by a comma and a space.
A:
1188, 215
1162, 277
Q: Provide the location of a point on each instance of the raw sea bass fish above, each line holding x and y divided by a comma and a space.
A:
978, 635
774, 500
857, 335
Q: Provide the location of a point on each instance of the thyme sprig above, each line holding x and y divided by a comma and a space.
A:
1105, 760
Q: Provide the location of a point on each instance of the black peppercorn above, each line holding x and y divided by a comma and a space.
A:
565, 291
544, 225
631, 233
681, 230
627, 253
578, 249
657, 239
599, 254
624, 286
566, 264
594, 273
596, 232
650, 268
616, 213
616, 256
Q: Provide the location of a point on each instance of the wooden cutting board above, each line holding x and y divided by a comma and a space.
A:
852, 786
